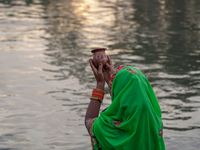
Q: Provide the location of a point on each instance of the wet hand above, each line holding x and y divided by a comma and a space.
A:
109, 70
99, 75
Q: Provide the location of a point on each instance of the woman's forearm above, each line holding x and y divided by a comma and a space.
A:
93, 108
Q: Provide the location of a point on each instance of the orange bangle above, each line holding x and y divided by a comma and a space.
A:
98, 91
97, 94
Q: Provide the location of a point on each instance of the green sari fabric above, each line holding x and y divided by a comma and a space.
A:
133, 120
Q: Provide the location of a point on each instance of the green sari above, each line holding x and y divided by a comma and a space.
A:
133, 120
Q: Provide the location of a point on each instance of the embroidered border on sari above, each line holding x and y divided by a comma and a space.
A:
113, 76
132, 71
94, 142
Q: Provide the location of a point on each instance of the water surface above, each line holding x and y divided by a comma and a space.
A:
46, 80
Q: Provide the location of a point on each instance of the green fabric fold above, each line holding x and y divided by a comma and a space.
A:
133, 120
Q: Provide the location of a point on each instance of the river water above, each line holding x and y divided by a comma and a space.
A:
46, 80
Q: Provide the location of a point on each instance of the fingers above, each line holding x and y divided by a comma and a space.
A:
100, 68
109, 61
92, 66
108, 66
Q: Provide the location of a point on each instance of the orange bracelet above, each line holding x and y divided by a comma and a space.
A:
98, 91
97, 94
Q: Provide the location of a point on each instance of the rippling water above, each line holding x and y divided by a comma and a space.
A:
46, 80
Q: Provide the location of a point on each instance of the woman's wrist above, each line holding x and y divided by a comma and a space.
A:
100, 85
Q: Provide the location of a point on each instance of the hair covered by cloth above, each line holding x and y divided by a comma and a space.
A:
133, 120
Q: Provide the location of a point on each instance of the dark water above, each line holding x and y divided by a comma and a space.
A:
46, 80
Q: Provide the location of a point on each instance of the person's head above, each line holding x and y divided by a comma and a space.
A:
126, 78
129, 87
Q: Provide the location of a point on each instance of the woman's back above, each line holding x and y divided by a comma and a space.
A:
133, 120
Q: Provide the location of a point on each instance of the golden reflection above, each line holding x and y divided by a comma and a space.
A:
88, 4
116, 51
15, 71
37, 68
65, 24
9, 95
96, 19
32, 56
79, 24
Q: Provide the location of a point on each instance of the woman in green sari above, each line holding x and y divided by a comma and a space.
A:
133, 120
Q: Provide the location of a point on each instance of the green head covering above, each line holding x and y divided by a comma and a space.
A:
133, 120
